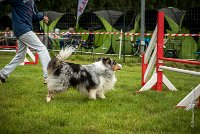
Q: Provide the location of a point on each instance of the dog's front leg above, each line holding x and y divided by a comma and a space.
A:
100, 95
49, 96
92, 94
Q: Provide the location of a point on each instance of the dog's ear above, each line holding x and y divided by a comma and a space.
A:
99, 59
103, 59
106, 60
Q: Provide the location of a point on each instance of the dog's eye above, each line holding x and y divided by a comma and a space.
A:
114, 63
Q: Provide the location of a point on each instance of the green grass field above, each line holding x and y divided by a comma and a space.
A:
23, 109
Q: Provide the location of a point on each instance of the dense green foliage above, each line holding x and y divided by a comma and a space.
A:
64, 5
23, 108
95, 5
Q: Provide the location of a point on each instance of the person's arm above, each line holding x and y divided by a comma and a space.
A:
38, 17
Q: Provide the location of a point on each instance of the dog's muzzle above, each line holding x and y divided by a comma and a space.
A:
117, 67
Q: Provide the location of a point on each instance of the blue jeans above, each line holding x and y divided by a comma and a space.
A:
28, 39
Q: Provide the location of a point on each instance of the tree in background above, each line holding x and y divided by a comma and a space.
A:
95, 5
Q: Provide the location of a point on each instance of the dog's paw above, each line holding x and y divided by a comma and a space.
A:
92, 98
48, 99
102, 97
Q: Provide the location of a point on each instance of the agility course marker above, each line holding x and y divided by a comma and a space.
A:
158, 77
15, 49
33, 57
189, 101
157, 60
111, 33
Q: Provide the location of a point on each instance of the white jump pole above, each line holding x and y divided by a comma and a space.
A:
180, 70
120, 45
191, 97
7, 50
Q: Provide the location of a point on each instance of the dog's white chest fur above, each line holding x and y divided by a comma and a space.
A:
107, 77
107, 84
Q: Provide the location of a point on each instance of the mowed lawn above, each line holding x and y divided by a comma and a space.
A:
23, 109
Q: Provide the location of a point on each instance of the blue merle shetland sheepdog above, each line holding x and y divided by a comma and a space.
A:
93, 79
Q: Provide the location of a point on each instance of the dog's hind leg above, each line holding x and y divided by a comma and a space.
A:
50, 96
92, 94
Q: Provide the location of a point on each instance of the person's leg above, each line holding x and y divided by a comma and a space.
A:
61, 44
19, 57
31, 40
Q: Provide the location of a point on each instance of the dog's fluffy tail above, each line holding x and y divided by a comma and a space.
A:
65, 53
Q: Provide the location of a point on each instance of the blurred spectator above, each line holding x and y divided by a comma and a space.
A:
89, 43
68, 38
4, 38
8, 32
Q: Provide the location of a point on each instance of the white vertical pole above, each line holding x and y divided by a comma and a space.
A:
120, 45
142, 25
